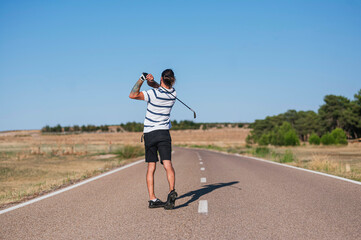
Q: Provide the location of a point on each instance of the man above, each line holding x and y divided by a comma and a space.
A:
157, 138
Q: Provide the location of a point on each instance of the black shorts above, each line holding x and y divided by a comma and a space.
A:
158, 141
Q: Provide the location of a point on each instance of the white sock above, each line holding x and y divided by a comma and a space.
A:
155, 199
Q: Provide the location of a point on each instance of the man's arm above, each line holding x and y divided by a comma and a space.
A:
135, 94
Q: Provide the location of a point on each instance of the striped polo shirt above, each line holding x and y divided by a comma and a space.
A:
160, 104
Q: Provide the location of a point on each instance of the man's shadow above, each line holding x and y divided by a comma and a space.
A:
196, 194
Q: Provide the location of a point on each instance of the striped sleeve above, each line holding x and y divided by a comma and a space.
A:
146, 96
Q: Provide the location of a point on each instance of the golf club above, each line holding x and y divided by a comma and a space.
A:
194, 113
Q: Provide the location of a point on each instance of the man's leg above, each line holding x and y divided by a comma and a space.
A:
150, 179
171, 180
170, 174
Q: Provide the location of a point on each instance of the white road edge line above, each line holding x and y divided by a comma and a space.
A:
202, 169
285, 165
203, 180
302, 169
69, 188
203, 206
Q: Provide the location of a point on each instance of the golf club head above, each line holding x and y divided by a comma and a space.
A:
194, 114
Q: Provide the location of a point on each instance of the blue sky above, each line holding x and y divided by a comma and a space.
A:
75, 62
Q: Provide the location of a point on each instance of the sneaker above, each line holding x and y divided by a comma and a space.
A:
171, 200
156, 204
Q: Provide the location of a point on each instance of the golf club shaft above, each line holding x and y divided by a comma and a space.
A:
194, 113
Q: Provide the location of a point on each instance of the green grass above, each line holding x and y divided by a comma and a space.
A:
260, 152
129, 152
287, 157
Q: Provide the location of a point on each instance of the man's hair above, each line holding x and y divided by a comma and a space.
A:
168, 77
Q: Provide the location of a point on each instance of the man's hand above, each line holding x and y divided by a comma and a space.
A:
150, 77
150, 81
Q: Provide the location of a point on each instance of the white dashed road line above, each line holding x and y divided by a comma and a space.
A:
203, 206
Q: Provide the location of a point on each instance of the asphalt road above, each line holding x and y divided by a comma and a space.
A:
241, 199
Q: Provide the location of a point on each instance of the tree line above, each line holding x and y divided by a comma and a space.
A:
181, 125
289, 128
184, 125
135, 127
76, 128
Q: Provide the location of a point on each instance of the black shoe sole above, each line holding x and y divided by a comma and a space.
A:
160, 206
156, 204
171, 203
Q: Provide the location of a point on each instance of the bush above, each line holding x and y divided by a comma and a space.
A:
132, 127
340, 136
284, 135
91, 128
263, 141
291, 138
249, 139
58, 128
287, 157
104, 128
272, 138
314, 139
327, 139
130, 152
276, 137
182, 125
261, 151
46, 129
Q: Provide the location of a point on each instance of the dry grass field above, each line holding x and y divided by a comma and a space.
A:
343, 161
220, 137
32, 163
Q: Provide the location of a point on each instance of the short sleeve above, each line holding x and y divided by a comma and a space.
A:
146, 96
